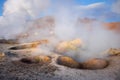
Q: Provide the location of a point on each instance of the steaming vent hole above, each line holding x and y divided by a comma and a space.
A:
91, 64
20, 47
24, 46
28, 45
42, 59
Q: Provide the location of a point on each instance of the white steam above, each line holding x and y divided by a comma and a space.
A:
116, 6
96, 39
16, 15
20, 16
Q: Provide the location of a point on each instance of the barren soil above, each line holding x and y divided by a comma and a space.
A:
13, 69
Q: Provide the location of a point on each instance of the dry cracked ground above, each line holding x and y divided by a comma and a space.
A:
12, 68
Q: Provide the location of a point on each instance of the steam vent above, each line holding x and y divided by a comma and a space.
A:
18, 61
59, 40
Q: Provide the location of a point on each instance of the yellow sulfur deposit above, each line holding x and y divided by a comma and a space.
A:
68, 61
114, 51
2, 54
69, 45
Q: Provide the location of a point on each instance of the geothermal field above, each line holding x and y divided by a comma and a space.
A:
53, 40
51, 59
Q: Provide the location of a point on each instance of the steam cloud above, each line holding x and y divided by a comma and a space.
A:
17, 13
20, 15
115, 7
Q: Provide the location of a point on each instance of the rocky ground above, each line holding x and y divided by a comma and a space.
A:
11, 68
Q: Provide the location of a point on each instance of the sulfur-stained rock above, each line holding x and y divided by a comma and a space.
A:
42, 58
113, 52
67, 61
2, 54
28, 45
66, 46
95, 64
24, 46
36, 59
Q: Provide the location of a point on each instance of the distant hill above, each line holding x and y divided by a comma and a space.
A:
115, 26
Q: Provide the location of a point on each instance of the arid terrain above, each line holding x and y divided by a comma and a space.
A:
16, 62
59, 40
11, 68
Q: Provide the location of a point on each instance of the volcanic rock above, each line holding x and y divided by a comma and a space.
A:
95, 64
67, 61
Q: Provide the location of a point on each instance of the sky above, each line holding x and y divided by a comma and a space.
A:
86, 2
102, 7
1, 6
